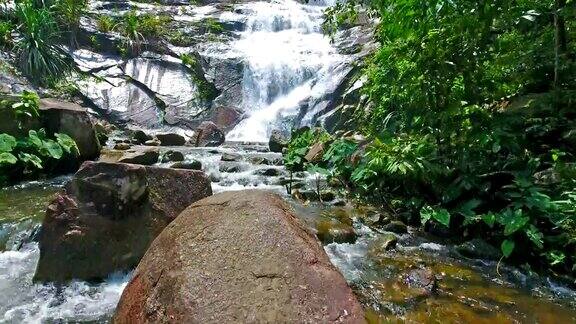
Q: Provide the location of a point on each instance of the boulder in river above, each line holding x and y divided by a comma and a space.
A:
208, 134
141, 136
237, 257
277, 141
146, 156
172, 156
109, 215
171, 139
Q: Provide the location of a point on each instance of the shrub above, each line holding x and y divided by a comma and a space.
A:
40, 57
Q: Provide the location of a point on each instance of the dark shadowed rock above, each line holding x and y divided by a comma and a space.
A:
189, 165
171, 139
479, 249
277, 141
109, 216
141, 137
196, 272
396, 227
172, 156
144, 157
208, 134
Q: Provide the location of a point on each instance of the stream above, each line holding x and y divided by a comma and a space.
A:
288, 65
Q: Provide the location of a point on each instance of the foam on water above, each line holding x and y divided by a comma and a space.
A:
22, 301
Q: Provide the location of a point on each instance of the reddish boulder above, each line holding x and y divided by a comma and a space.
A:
239, 257
208, 134
109, 215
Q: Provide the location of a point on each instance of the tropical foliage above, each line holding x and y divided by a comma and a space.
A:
28, 155
472, 121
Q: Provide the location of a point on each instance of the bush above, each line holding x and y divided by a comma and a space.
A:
40, 57
458, 136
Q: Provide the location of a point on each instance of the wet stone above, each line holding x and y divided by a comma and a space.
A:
171, 139
122, 146
172, 156
145, 157
229, 167
141, 137
422, 279
188, 165
230, 157
334, 231
396, 227
152, 143
478, 249
271, 172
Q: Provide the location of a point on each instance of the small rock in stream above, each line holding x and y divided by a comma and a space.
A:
188, 165
172, 156
396, 227
122, 146
478, 249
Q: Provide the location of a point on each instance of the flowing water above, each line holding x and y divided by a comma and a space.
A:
287, 64
288, 61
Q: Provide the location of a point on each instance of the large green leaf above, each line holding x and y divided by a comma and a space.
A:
7, 158
513, 221
7, 143
441, 215
31, 159
53, 149
34, 138
67, 143
507, 247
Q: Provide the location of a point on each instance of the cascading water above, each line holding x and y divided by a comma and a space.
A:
288, 61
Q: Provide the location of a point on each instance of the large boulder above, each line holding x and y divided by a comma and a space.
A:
237, 257
109, 215
277, 141
208, 134
74, 120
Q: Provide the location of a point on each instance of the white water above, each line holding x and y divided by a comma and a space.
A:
21, 301
288, 61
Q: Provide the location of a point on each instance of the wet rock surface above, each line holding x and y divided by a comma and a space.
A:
208, 134
109, 215
196, 272
140, 156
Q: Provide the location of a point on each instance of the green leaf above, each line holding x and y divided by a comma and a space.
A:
53, 149
31, 159
7, 158
489, 219
439, 214
507, 247
535, 236
67, 143
513, 222
7, 143
34, 138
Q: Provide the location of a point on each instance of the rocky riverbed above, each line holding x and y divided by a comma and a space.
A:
402, 275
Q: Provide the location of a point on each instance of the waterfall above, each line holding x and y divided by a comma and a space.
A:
287, 60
